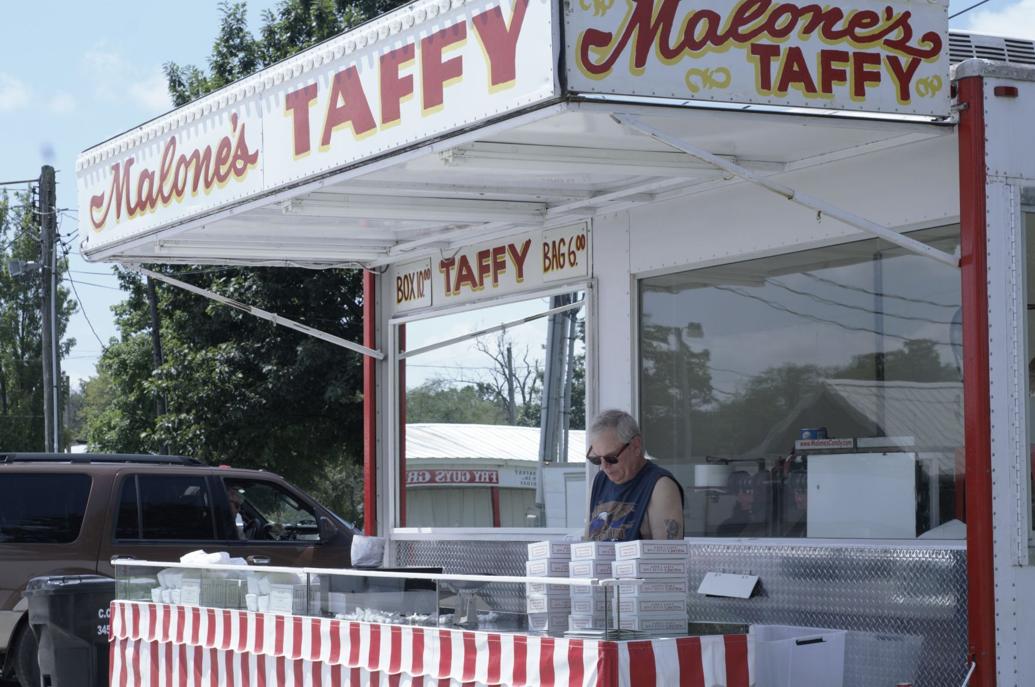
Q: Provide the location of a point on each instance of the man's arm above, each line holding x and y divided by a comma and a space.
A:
665, 512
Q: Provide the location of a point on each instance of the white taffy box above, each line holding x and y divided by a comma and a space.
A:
547, 567
582, 623
593, 551
539, 550
547, 622
655, 586
588, 605
650, 567
544, 589
649, 605
536, 603
674, 625
589, 569
651, 548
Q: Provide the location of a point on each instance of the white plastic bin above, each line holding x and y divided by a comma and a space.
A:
788, 656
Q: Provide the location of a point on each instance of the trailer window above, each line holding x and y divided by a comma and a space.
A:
481, 444
812, 394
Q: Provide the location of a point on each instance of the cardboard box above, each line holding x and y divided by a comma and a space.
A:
644, 605
653, 586
547, 622
591, 605
674, 625
548, 603
593, 551
582, 623
547, 567
541, 588
590, 592
589, 569
650, 567
548, 549
651, 548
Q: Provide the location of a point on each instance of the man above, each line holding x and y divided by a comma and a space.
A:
632, 497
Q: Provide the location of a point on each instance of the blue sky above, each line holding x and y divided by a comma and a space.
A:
73, 74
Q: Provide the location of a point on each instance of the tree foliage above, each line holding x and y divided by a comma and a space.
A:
237, 389
21, 365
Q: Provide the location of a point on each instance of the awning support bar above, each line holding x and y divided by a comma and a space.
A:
789, 193
260, 313
498, 328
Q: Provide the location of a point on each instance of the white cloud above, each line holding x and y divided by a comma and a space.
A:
14, 94
116, 78
152, 92
61, 103
1014, 20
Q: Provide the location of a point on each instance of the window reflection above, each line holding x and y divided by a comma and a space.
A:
812, 394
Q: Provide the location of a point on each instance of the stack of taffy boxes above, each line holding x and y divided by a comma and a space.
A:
654, 598
590, 605
548, 604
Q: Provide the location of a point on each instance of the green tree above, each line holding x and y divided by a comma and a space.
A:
21, 367
440, 400
237, 389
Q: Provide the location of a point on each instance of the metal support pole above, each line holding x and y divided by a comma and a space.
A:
49, 347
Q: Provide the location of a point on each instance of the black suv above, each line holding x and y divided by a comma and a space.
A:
72, 513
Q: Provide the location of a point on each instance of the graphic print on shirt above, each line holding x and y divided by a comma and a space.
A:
612, 520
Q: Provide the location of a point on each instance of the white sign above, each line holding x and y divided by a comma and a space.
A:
412, 285
420, 71
867, 55
522, 262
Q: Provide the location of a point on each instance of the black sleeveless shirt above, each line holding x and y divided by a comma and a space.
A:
616, 511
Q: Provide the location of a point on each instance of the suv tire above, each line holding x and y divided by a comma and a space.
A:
26, 658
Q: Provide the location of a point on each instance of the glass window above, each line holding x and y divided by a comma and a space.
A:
811, 394
1028, 213
171, 507
482, 445
127, 525
264, 511
42, 509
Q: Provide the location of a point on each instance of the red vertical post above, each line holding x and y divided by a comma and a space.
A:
369, 405
402, 428
976, 400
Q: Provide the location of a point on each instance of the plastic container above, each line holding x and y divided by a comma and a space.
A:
69, 616
788, 656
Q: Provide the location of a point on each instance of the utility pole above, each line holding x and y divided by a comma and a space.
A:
49, 353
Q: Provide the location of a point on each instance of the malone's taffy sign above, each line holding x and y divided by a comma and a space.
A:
860, 55
420, 71
517, 263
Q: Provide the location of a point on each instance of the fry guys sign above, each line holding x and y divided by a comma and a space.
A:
426, 69
889, 57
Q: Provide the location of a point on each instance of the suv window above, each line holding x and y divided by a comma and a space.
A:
42, 509
165, 507
265, 511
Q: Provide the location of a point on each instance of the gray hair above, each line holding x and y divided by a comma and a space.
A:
622, 423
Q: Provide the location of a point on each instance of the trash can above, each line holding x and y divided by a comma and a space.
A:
69, 616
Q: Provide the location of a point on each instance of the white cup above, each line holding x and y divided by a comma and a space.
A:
156, 595
251, 602
264, 603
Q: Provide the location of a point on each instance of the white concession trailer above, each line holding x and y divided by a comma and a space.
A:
792, 239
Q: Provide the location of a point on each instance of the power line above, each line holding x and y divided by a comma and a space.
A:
19, 182
86, 317
870, 292
68, 277
860, 308
964, 11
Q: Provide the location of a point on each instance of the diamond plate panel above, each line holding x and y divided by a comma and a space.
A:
905, 607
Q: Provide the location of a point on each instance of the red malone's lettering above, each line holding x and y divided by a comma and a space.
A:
436, 73
500, 42
298, 104
154, 188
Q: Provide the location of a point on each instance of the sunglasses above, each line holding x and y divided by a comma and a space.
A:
610, 460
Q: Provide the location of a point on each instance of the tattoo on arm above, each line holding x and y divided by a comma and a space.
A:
671, 529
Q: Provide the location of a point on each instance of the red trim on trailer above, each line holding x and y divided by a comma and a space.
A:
369, 405
402, 428
977, 410
495, 493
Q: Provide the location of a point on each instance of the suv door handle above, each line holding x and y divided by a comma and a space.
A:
258, 560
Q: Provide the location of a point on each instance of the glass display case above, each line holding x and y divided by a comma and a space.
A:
587, 607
